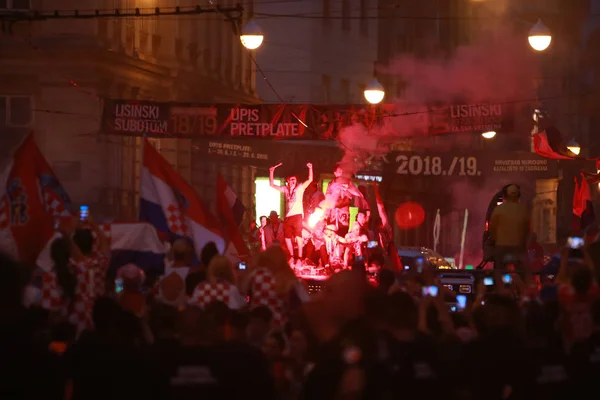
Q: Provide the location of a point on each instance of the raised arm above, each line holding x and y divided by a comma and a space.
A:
310, 176
272, 179
380, 207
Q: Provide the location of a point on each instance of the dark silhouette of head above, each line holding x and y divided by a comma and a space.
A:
84, 239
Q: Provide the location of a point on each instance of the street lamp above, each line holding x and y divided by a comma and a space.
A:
374, 92
540, 36
488, 134
252, 36
574, 147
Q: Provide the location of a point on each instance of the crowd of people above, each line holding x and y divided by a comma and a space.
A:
316, 232
81, 331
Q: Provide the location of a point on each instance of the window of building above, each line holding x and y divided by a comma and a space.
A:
345, 15
15, 5
326, 85
345, 90
16, 110
326, 12
364, 18
267, 198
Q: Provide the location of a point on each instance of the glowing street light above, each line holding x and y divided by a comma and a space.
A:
574, 147
252, 36
488, 134
374, 92
540, 36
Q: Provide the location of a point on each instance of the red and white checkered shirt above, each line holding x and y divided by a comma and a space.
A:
96, 266
80, 311
225, 292
264, 294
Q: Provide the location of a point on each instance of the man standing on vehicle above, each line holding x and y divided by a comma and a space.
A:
294, 194
509, 229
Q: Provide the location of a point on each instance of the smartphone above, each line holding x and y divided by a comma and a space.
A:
372, 244
575, 242
430, 291
419, 262
242, 266
488, 281
83, 213
461, 301
507, 279
118, 285
454, 308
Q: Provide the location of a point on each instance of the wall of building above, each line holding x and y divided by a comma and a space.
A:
67, 67
323, 52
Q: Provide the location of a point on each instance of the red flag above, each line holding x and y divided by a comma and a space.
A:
225, 211
24, 209
583, 209
577, 210
542, 147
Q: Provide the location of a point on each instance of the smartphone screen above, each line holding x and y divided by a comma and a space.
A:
83, 213
488, 281
507, 279
242, 266
575, 242
433, 291
372, 244
118, 285
461, 301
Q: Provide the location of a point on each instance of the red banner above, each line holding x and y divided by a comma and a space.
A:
277, 121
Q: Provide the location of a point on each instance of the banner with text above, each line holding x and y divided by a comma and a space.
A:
263, 154
276, 121
477, 164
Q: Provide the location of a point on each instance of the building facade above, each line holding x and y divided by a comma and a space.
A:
316, 52
436, 29
55, 75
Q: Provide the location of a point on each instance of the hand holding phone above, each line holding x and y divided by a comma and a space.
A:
575, 242
83, 213
430, 291
118, 286
461, 301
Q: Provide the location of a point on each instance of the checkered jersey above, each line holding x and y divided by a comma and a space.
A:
52, 294
225, 292
264, 294
53, 298
96, 266
207, 292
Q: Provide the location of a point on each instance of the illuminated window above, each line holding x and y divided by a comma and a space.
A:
267, 198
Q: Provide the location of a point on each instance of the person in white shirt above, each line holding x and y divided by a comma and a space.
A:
294, 193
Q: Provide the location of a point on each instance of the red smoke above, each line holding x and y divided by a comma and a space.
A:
499, 67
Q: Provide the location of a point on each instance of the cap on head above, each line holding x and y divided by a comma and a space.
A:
273, 214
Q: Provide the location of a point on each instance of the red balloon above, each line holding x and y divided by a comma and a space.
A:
409, 215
